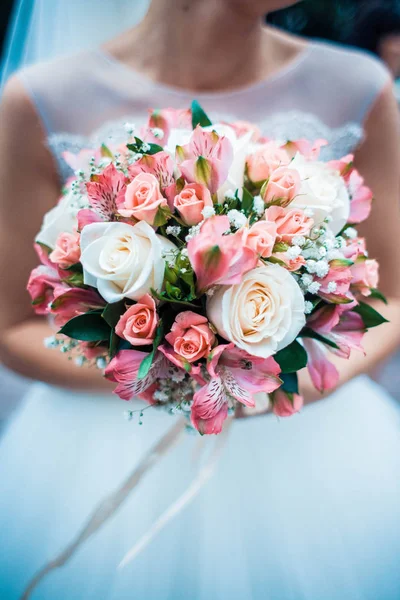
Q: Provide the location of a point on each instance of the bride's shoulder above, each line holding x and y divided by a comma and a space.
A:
349, 66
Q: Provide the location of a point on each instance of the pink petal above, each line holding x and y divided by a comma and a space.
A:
86, 216
210, 407
323, 373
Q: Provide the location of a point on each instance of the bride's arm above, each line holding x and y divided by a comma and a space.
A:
29, 187
378, 160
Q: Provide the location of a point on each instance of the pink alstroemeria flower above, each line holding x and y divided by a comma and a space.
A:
161, 166
344, 165
206, 159
360, 198
339, 274
233, 374
165, 119
124, 369
217, 258
41, 284
285, 404
71, 302
339, 325
308, 149
323, 373
105, 191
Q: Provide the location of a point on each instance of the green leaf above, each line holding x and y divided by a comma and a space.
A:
292, 358
75, 279
162, 216
76, 267
280, 247
112, 312
375, 293
154, 149
369, 315
162, 296
170, 274
90, 327
114, 344
310, 333
290, 383
173, 291
199, 117
106, 152
247, 201
146, 363
46, 249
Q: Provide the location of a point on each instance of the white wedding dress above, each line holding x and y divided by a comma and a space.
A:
306, 508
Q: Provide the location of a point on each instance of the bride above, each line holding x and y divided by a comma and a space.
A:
299, 509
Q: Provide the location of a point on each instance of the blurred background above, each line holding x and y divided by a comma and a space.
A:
373, 25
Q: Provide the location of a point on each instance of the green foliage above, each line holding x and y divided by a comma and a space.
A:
292, 358
90, 327
199, 117
290, 383
377, 295
247, 202
112, 312
310, 333
369, 315
146, 363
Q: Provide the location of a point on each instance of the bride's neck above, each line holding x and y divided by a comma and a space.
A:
201, 45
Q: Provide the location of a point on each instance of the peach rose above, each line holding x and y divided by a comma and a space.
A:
264, 161
191, 336
67, 251
365, 275
289, 222
191, 201
143, 198
261, 238
282, 187
138, 324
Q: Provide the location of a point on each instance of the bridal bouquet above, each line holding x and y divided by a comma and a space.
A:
202, 266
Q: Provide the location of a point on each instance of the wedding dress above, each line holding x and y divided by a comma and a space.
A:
306, 508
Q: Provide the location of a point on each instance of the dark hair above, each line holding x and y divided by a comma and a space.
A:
374, 22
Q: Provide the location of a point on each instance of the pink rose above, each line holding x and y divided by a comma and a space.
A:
41, 284
282, 186
217, 258
267, 159
191, 201
261, 238
289, 223
191, 337
291, 264
138, 324
285, 404
143, 198
365, 274
67, 251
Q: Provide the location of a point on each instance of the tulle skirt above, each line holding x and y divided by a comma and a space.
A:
306, 508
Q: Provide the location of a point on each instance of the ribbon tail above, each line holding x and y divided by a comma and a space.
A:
204, 474
108, 507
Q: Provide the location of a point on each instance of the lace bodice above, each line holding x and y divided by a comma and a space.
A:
85, 99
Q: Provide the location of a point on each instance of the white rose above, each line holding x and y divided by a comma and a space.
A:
324, 191
123, 261
262, 314
60, 219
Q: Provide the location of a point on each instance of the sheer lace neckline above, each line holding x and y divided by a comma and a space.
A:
282, 73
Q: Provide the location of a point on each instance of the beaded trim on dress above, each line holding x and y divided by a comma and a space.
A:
282, 126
